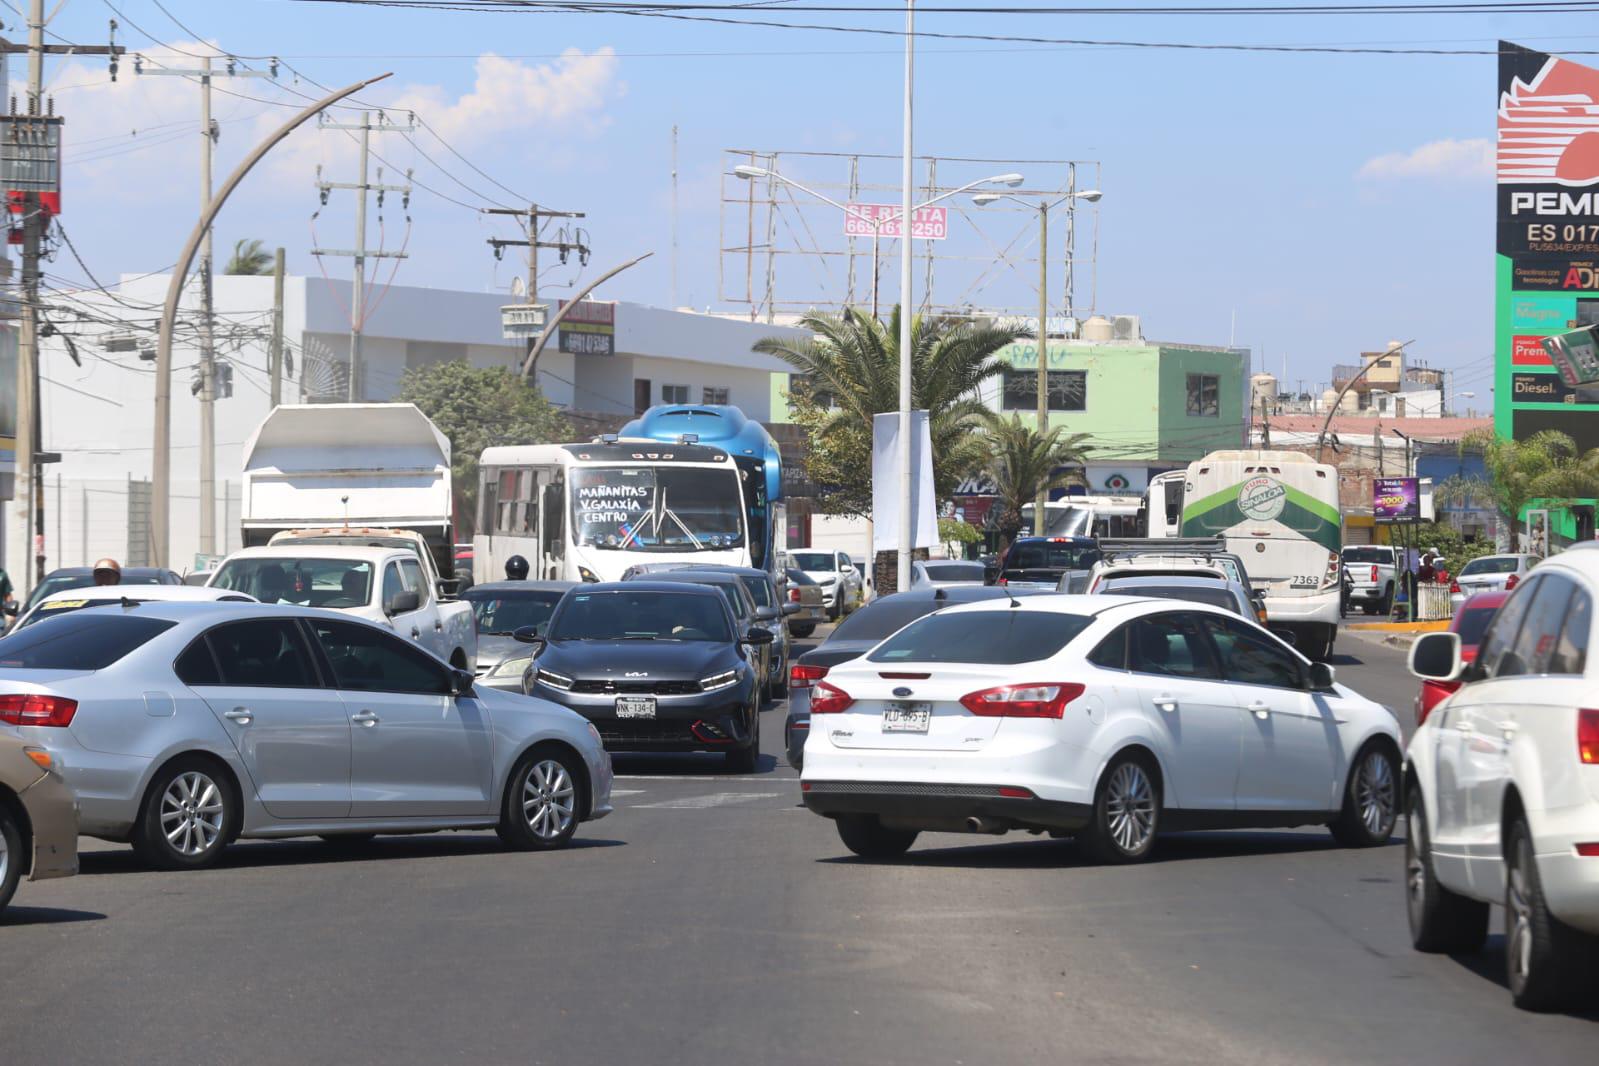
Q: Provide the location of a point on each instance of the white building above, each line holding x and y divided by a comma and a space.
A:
99, 415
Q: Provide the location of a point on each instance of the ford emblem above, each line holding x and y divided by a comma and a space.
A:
902, 692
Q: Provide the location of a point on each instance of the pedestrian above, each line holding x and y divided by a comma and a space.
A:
108, 572
516, 568
1427, 573
8, 600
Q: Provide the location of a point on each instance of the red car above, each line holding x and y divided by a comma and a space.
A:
1471, 622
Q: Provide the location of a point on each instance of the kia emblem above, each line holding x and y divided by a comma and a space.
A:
902, 692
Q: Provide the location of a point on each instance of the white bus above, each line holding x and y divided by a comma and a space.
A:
1163, 505
1087, 516
1279, 512
587, 512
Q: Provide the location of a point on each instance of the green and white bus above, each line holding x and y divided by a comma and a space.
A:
1278, 511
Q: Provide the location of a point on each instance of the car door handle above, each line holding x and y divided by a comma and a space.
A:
1165, 703
1259, 709
438, 625
366, 718
1463, 725
242, 715
416, 634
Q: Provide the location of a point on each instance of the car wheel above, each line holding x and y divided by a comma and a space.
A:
1371, 799
1126, 813
542, 801
870, 839
747, 759
802, 631
189, 816
1543, 956
1387, 601
1440, 920
12, 857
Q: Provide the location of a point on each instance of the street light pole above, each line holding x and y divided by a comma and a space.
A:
1042, 499
906, 219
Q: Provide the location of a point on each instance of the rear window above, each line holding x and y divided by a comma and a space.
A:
998, 638
759, 590
1042, 556
1472, 624
1382, 556
877, 620
1214, 596
1489, 565
955, 571
78, 641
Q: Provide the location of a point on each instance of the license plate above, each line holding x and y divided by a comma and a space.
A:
635, 706
907, 717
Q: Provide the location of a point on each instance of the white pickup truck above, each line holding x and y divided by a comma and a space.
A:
1372, 576
386, 584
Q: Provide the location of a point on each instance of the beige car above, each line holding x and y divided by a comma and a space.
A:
38, 816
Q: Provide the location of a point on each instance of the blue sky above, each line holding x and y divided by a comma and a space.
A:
1326, 204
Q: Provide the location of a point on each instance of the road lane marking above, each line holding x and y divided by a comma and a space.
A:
715, 799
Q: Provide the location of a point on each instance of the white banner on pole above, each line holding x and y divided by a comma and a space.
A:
885, 483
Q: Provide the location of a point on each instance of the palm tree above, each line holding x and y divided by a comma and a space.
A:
249, 257
1547, 465
1024, 463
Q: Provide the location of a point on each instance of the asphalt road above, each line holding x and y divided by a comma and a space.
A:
712, 920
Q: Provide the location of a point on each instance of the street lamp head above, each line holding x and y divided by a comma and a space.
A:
983, 199
749, 173
1011, 180
1467, 395
1091, 195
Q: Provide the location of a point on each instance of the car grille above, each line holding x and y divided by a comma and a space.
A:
621, 732
608, 687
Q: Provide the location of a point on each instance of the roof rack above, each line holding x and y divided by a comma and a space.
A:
1203, 547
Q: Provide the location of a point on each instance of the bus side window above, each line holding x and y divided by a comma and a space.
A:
554, 545
488, 500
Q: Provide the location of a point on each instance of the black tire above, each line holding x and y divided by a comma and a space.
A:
1370, 608
1544, 957
1388, 600
747, 759
545, 798
802, 631
1371, 798
870, 839
198, 804
12, 856
1126, 815
1440, 920
834, 612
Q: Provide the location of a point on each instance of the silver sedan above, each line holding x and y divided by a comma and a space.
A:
182, 727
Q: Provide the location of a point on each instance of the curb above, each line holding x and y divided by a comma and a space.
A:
1401, 627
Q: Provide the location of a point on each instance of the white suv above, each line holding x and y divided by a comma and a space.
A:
1502, 788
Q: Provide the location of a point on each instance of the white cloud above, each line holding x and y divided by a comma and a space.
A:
509, 96
1468, 159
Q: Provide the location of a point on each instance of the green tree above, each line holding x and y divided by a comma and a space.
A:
249, 257
850, 368
1545, 466
477, 408
955, 534
1022, 462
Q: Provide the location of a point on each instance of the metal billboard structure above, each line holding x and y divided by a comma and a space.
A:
784, 251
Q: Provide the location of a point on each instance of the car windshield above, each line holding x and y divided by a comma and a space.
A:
641, 616
760, 590
1042, 555
1492, 564
880, 618
1383, 556
78, 641
302, 582
1473, 623
997, 638
500, 614
815, 562
954, 571
63, 582
1214, 595
657, 508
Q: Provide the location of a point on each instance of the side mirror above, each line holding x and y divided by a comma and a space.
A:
401, 602
1321, 677
461, 682
791, 608
448, 587
847, 568
1436, 657
532, 635
757, 635
766, 614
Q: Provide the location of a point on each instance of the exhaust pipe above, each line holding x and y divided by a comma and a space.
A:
976, 824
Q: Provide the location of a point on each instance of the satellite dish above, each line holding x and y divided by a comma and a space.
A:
517, 288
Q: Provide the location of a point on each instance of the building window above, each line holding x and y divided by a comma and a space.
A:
674, 394
1204, 396
714, 395
1068, 390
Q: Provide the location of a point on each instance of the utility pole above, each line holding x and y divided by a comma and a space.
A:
361, 253
1042, 500
275, 353
207, 381
34, 172
564, 245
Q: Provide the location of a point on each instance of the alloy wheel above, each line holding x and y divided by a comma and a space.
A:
1130, 807
1375, 792
192, 813
5, 858
547, 799
1518, 922
1415, 869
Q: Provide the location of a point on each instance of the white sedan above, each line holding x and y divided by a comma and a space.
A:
1099, 717
1502, 788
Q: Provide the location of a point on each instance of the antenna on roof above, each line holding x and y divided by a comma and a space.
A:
346, 501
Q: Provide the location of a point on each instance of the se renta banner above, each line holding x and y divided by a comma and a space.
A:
1396, 499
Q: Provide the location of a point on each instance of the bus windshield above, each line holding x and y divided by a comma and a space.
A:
657, 508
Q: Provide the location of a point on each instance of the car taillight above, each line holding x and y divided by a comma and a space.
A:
1588, 736
830, 700
1022, 701
1454, 587
1001, 581
52, 710
1374, 574
1335, 566
1511, 581
803, 675
793, 594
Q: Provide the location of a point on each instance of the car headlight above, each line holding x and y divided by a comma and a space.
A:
827, 581
716, 681
586, 574
554, 680
511, 667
